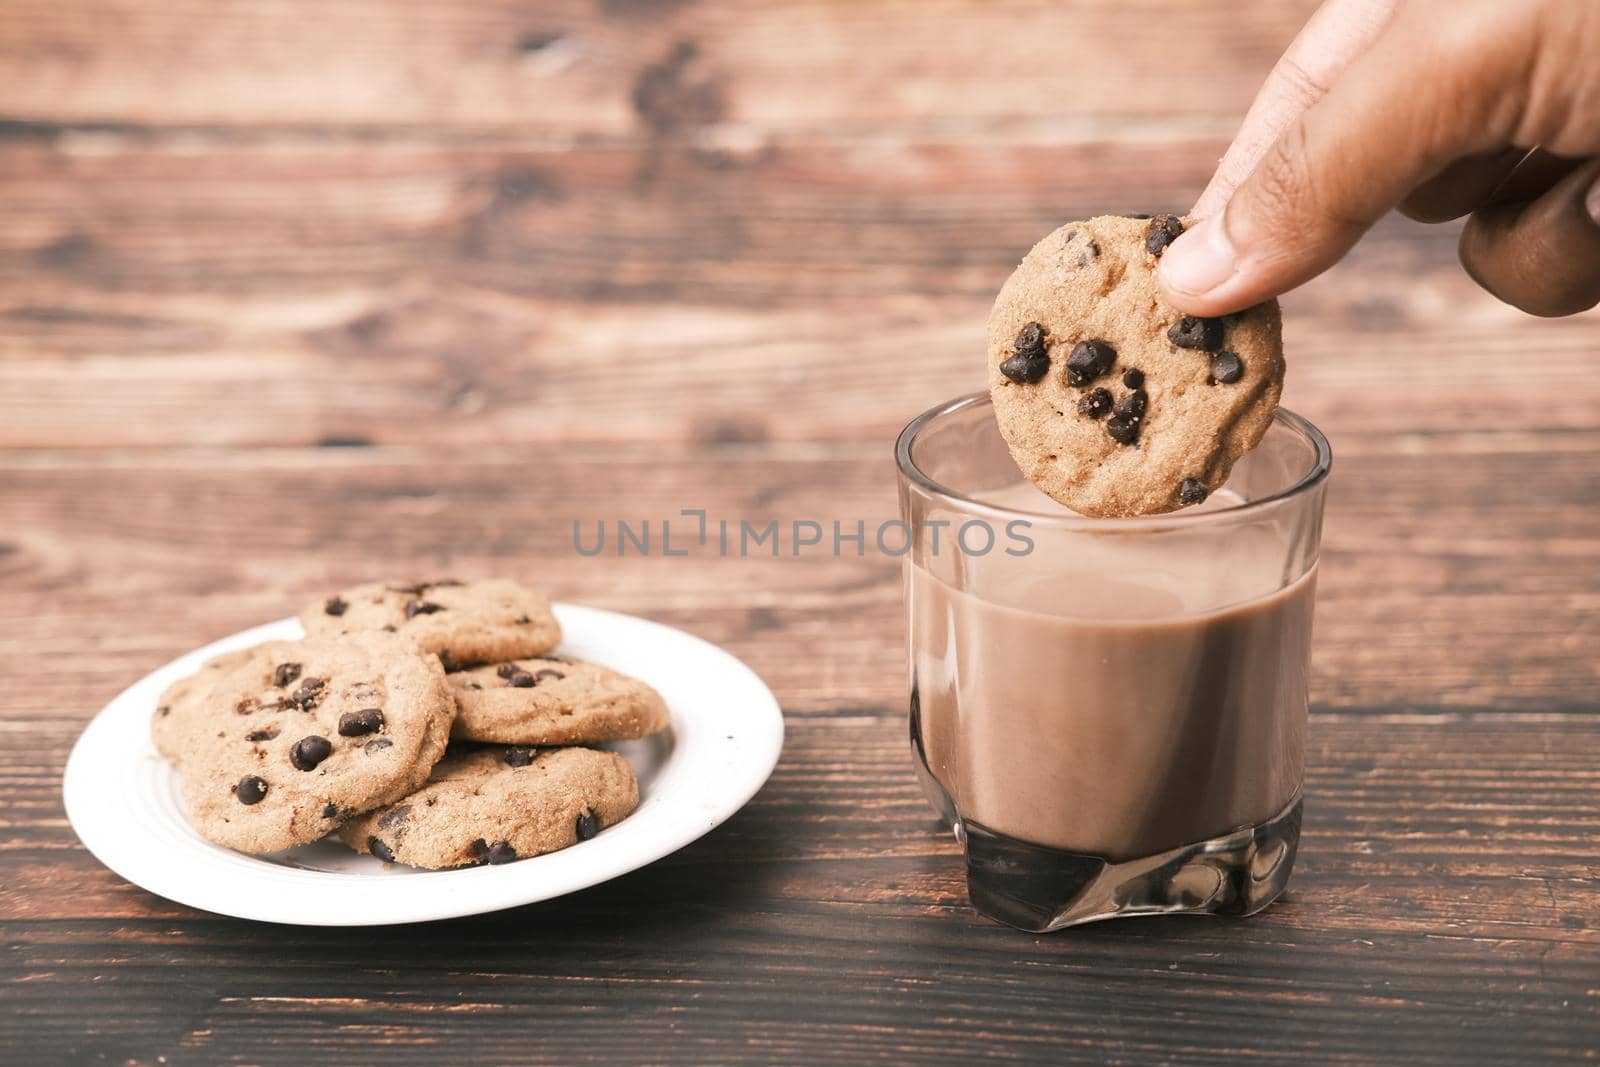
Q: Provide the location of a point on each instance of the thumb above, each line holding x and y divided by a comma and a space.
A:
1419, 98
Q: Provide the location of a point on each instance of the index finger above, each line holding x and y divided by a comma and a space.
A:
1336, 34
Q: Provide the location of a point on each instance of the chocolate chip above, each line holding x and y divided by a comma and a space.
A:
1030, 340
1227, 367
521, 680
474, 685
356, 723
479, 850
1025, 369
1131, 407
262, 735
422, 607
1089, 360
330, 811
377, 744
520, 755
506, 670
539, 676
285, 674
310, 751
523, 620
501, 852
310, 693
1133, 378
1128, 415
1192, 331
380, 850
1137, 215
335, 606
1192, 491
588, 825
1030, 361
1095, 403
250, 790
1122, 430
246, 706
1164, 229
389, 819
1090, 252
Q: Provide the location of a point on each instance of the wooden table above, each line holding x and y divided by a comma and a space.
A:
297, 294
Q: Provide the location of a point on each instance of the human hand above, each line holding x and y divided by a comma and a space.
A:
1482, 107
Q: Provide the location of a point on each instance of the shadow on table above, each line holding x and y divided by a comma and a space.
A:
722, 874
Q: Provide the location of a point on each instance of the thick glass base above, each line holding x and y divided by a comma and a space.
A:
1036, 888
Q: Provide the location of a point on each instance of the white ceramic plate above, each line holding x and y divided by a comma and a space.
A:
122, 798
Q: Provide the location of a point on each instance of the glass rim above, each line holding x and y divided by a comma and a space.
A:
1316, 475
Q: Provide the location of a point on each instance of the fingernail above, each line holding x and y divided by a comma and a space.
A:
1200, 260
1591, 203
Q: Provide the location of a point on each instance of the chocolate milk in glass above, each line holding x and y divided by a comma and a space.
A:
1102, 708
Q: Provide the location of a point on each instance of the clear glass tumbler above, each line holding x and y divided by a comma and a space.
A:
1110, 713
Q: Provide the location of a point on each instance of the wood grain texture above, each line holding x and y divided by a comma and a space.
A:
294, 295
285, 296
575, 70
1435, 564
1446, 908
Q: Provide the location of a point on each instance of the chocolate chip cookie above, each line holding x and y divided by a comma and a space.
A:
462, 622
1111, 401
287, 741
553, 701
184, 702
495, 805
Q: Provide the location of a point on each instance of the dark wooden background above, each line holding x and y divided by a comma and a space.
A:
297, 294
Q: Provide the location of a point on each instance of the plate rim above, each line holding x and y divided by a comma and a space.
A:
760, 743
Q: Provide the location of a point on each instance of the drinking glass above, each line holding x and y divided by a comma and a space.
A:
1110, 713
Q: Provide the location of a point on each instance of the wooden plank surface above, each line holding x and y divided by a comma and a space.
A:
1444, 910
1434, 564
576, 70
293, 295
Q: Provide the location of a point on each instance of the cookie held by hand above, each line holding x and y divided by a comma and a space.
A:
1111, 401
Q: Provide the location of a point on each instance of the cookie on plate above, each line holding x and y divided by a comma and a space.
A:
495, 805
184, 701
1111, 401
553, 700
295, 737
463, 622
